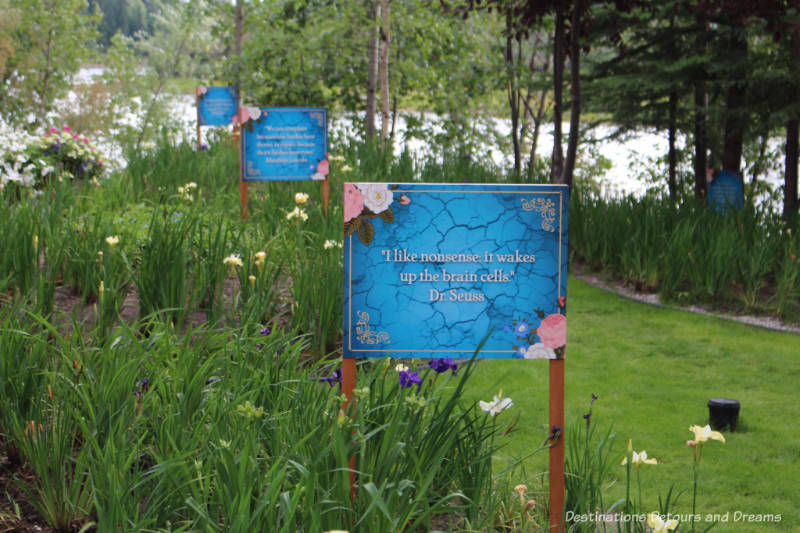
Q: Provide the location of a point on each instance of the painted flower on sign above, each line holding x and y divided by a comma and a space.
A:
366, 201
539, 351
377, 196
353, 202
553, 331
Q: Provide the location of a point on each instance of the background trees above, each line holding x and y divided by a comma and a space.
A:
717, 77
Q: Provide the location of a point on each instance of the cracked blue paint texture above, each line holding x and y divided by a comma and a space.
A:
217, 106
286, 143
395, 305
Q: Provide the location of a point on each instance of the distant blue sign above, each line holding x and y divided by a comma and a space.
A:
726, 191
431, 269
284, 143
216, 106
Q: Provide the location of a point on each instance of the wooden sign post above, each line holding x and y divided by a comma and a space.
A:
434, 270
283, 143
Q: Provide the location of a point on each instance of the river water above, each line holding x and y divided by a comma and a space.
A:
632, 158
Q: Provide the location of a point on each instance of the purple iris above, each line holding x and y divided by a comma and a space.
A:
266, 331
409, 378
443, 365
336, 377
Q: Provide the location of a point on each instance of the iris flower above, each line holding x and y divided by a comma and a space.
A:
702, 434
232, 260
443, 365
497, 405
658, 524
407, 379
639, 459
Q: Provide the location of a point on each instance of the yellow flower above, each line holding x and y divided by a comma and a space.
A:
252, 279
400, 367
658, 524
112, 241
260, 258
702, 434
191, 185
300, 198
296, 213
232, 260
101, 290
331, 244
639, 459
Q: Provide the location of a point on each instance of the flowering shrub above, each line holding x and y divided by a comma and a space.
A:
69, 153
15, 165
29, 161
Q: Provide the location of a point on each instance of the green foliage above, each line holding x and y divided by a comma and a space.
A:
49, 42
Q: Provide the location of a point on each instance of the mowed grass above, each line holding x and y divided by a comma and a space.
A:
654, 370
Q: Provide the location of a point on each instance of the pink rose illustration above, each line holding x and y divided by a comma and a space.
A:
353, 202
404, 200
553, 331
323, 167
244, 115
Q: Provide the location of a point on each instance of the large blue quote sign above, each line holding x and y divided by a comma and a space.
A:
284, 143
431, 269
216, 106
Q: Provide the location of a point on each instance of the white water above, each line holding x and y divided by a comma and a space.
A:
629, 157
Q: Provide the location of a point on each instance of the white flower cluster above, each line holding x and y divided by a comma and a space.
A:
15, 165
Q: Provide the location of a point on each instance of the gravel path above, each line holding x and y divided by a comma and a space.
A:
767, 322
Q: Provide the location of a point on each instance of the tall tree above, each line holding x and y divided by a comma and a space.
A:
50, 40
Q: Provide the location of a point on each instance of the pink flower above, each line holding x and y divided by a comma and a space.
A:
67, 128
244, 115
53, 130
553, 331
562, 301
353, 202
323, 167
75, 135
405, 200
86, 140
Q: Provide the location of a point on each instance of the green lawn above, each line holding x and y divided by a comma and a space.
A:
654, 371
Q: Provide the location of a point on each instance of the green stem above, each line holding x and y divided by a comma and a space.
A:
639, 484
694, 494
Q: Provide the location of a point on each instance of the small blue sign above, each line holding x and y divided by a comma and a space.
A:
431, 269
216, 106
726, 191
284, 143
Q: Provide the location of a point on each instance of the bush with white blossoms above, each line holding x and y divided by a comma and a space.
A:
15, 164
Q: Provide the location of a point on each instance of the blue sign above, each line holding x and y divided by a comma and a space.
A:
726, 191
431, 269
284, 143
216, 106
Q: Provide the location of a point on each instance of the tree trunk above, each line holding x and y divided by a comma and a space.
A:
237, 50
700, 133
372, 70
512, 89
734, 105
790, 200
575, 93
558, 91
673, 156
384, 72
